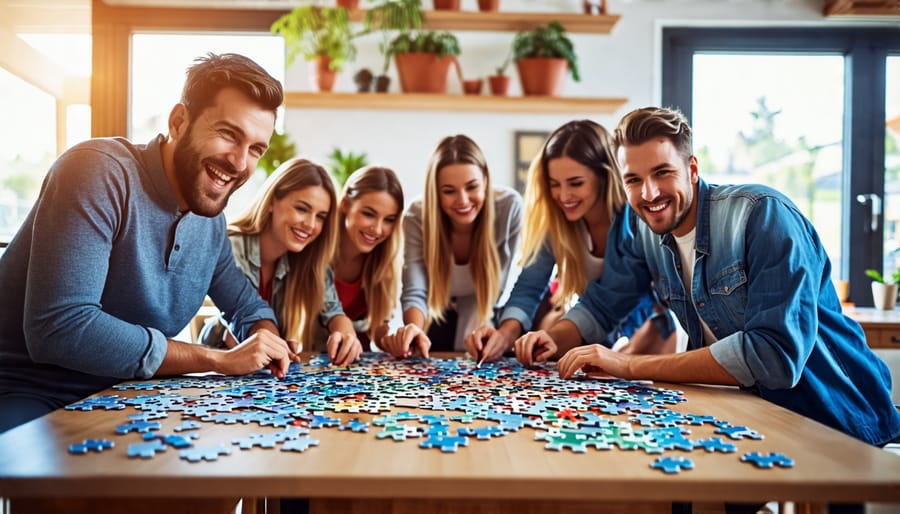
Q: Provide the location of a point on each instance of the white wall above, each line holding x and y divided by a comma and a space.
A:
624, 63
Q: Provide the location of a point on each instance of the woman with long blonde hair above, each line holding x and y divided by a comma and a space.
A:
459, 241
573, 194
284, 243
367, 263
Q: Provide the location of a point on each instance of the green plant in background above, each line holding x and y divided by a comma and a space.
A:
877, 277
317, 31
280, 149
549, 41
342, 165
392, 15
440, 43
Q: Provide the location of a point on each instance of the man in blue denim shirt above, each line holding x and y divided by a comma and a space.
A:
761, 311
123, 244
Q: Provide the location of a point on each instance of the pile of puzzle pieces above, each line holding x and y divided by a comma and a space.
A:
489, 401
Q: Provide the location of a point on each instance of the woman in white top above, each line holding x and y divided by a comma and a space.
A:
459, 241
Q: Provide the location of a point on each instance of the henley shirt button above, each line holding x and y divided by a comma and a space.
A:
177, 247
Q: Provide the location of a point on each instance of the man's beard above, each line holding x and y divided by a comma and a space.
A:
190, 173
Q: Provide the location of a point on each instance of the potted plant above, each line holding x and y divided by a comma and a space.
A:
499, 82
542, 56
884, 291
323, 36
390, 16
423, 60
280, 149
342, 165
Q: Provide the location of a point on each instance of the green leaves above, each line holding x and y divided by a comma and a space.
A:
317, 31
877, 277
280, 149
440, 43
342, 165
549, 41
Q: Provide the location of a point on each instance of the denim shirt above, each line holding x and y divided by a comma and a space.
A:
762, 283
534, 281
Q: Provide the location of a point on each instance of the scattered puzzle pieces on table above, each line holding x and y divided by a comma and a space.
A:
456, 402
94, 445
766, 461
672, 465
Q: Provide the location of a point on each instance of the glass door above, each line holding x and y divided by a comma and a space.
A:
804, 110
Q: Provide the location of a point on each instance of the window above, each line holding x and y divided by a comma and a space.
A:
803, 110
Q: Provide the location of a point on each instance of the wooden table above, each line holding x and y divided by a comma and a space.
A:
351, 472
882, 327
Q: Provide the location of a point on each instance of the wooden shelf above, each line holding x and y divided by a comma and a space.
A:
458, 103
862, 8
511, 21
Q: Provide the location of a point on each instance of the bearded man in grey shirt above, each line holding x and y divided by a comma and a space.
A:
123, 244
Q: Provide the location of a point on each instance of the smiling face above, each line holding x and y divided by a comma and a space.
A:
370, 219
574, 187
461, 189
216, 152
298, 217
660, 186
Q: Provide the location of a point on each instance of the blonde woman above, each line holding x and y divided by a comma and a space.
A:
459, 241
284, 244
574, 192
366, 265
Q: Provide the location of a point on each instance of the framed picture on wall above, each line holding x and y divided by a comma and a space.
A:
528, 145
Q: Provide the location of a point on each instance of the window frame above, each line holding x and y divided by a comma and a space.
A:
865, 50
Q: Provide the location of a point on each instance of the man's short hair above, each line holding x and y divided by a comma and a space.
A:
648, 123
213, 73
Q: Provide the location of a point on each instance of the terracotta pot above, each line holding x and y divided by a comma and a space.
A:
422, 72
446, 5
321, 78
348, 4
542, 76
472, 86
594, 7
488, 5
499, 84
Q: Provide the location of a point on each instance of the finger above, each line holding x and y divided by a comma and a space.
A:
544, 351
424, 345
334, 340
345, 350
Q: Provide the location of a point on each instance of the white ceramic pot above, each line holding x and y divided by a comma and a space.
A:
884, 295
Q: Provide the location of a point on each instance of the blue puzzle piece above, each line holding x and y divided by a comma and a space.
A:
187, 424
355, 425
146, 450
207, 453
716, 444
138, 426
671, 465
261, 440
319, 421
766, 461
447, 444
300, 444
483, 433
96, 445
737, 432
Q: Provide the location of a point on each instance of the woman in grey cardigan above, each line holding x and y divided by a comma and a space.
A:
459, 242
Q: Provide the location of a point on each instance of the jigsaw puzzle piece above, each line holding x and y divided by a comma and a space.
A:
95, 445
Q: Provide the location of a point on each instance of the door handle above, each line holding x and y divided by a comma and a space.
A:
874, 202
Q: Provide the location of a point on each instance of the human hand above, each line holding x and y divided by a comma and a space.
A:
535, 347
595, 360
262, 349
399, 344
295, 347
343, 348
487, 344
